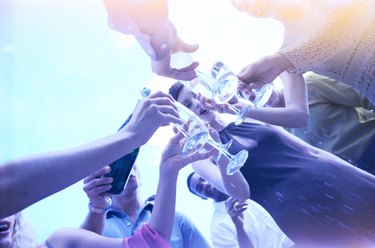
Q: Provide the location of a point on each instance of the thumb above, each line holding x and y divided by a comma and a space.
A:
189, 48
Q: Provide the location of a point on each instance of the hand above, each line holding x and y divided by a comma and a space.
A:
150, 113
96, 185
173, 159
210, 104
235, 209
162, 67
265, 70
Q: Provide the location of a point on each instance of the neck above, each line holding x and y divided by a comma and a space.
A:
128, 203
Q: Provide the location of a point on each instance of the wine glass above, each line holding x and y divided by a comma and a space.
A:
222, 74
192, 128
197, 134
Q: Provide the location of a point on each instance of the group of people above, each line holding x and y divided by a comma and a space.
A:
308, 180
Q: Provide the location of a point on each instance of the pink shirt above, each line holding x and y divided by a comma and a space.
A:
145, 237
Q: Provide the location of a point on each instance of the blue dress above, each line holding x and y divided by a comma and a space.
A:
310, 199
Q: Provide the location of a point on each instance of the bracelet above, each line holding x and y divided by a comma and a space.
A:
96, 210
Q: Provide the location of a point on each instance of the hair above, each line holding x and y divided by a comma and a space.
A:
23, 233
188, 180
175, 89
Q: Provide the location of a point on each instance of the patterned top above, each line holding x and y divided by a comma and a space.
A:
342, 47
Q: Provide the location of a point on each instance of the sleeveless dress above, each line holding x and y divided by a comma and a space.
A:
311, 199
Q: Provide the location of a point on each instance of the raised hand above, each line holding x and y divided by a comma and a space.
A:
265, 70
235, 209
95, 186
163, 67
150, 113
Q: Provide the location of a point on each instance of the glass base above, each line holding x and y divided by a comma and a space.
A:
237, 162
195, 143
241, 116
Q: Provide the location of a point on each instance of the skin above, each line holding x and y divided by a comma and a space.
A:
235, 208
172, 161
36, 177
6, 231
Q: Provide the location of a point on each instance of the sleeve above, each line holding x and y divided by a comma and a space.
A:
146, 237
158, 44
192, 237
340, 28
321, 88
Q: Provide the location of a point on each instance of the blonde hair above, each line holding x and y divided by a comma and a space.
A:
23, 233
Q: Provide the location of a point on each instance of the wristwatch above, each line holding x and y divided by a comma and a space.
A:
97, 210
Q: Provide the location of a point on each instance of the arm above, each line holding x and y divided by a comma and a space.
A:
148, 21
36, 177
171, 162
235, 210
234, 185
294, 114
95, 187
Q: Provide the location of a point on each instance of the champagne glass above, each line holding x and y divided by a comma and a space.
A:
205, 84
222, 74
197, 134
192, 128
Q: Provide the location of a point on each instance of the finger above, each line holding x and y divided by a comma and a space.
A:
184, 74
97, 182
189, 48
101, 172
98, 191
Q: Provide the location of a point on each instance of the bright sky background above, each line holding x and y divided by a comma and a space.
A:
67, 79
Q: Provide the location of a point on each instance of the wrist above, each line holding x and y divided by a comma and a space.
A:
284, 64
100, 210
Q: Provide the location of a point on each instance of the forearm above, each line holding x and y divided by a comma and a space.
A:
235, 185
147, 20
165, 201
27, 180
94, 222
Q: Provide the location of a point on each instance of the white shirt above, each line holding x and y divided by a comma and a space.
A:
259, 225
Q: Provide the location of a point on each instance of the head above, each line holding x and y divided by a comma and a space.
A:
15, 232
200, 187
256, 8
187, 98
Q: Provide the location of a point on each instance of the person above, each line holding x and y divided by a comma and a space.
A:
148, 22
27, 180
341, 121
128, 212
16, 232
337, 111
247, 225
158, 231
339, 44
315, 197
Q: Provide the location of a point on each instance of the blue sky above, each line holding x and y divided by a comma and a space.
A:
66, 79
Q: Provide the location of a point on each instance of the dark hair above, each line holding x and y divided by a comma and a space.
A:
188, 180
175, 89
